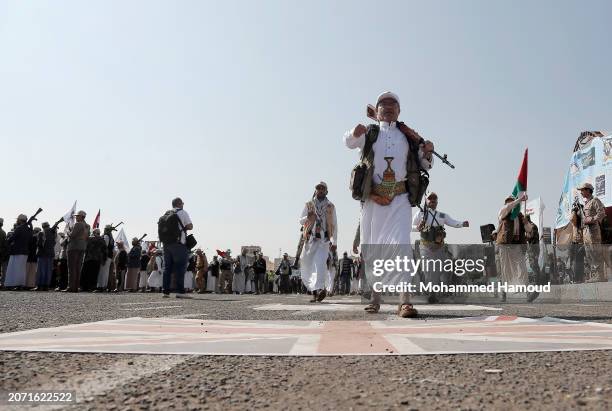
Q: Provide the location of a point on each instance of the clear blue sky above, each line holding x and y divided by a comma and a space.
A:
239, 106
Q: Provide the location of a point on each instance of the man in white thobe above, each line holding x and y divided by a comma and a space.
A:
320, 231
433, 252
511, 242
387, 222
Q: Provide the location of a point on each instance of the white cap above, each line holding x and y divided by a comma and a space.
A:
388, 94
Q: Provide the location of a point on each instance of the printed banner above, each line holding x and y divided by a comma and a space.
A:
592, 164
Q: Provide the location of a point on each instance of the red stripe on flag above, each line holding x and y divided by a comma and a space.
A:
96, 222
522, 177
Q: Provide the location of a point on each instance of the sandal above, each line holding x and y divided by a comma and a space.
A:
372, 308
407, 311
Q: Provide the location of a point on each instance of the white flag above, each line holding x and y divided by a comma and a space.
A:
122, 237
535, 209
69, 216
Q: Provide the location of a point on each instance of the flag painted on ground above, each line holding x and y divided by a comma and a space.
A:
521, 185
96, 223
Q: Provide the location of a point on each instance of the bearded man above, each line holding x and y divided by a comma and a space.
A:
320, 231
391, 187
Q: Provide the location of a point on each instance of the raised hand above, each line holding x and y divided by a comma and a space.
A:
359, 130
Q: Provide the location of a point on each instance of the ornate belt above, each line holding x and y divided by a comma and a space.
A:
389, 189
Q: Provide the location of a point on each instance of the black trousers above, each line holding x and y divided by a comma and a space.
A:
345, 283
89, 275
284, 285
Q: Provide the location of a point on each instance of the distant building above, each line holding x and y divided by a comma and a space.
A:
250, 250
277, 261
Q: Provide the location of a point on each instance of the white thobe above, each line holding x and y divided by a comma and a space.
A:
248, 277
390, 224
16, 271
314, 255
211, 282
238, 282
156, 278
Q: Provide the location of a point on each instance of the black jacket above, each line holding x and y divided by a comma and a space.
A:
259, 266
214, 268
32, 255
144, 262
46, 243
96, 249
134, 257
121, 260
20, 239
4, 252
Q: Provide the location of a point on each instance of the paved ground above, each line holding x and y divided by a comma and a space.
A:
551, 380
470, 335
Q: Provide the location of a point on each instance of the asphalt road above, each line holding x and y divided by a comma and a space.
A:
565, 380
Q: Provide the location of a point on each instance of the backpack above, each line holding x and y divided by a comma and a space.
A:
168, 228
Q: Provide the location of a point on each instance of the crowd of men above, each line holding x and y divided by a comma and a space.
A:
82, 259
41, 258
390, 180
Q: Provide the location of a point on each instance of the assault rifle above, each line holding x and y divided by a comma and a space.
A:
300, 246
57, 223
33, 218
414, 136
114, 227
579, 210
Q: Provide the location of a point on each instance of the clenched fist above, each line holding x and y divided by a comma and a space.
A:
359, 130
427, 146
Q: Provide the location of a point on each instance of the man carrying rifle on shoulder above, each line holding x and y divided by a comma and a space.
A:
389, 181
46, 252
19, 242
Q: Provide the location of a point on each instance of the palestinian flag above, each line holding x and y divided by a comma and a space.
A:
520, 186
96, 223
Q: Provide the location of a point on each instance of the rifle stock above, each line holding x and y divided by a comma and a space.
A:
114, 227
29, 222
298, 252
57, 223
